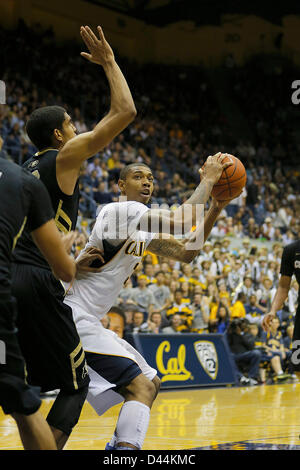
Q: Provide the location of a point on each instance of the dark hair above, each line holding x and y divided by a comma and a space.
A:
159, 272
118, 311
42, 123
124, 172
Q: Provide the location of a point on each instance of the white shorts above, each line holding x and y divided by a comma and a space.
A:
112, 361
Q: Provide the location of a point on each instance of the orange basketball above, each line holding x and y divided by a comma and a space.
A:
232, 181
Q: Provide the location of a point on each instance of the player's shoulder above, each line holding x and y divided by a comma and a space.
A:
126, 208
292, 247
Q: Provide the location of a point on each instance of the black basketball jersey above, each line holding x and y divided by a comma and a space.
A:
43, 166
23, 201
290, 262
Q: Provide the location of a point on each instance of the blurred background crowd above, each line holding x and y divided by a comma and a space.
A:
180, 121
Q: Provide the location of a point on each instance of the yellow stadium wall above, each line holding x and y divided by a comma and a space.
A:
182, 42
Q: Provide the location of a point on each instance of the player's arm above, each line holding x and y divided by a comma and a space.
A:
190, 213
50, 243
286, 271
122, 112
278, 301
187, 249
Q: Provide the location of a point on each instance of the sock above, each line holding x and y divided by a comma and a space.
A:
113, 440
132, 423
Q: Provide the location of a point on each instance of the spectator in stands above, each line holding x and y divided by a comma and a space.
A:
241, 344
161, 293
155, 323
139, 325
221, 323
181, 308
117, 320
102, 196
200, 310
142, 295
176, 325
254, 311
238, 308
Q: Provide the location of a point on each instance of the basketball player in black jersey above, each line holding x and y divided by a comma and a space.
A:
290, 265
24, 199
54, 355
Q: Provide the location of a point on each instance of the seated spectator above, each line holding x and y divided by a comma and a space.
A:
125, 294
154, 323
161, 293
117, 320
241, 344
139, 325
254, 311
200, 310
187, 291
215, 304
247, 288
238, 308
176, 325
115, 193
149, 273
142, 295
266, 293
222, 320
102, 196
181, 308
268, 357
274, 343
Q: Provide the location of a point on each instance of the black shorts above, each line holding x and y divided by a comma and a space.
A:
16, 396
47, 333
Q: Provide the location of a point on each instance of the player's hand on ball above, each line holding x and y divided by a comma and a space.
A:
213, 167
100, 51
83, 264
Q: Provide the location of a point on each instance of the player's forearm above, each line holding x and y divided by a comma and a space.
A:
279, 299
120, 95
210, 218
199, 197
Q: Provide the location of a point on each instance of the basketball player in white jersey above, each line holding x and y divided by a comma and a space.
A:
117, 371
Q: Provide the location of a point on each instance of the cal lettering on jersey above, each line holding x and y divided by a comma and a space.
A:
135, 248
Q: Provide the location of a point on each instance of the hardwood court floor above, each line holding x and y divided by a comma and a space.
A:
189, 419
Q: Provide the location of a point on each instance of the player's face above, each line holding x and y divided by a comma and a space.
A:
69, 130
138, 185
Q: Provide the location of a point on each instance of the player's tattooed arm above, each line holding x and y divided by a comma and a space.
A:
190, 213
169, 247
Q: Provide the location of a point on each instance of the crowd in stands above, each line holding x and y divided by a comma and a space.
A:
226, 290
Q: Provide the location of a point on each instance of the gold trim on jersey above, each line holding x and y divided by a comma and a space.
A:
64, 216
37, 154
19, 233
75, 364
113, 355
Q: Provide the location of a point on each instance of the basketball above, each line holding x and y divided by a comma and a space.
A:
232, 181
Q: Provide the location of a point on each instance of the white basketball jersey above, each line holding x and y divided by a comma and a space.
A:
116, 233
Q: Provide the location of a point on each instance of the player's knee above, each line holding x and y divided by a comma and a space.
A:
66, 409
156, 381
141, 389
